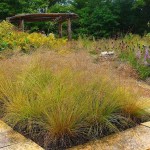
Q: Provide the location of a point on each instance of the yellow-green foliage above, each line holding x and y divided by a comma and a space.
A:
65, 103
13, 39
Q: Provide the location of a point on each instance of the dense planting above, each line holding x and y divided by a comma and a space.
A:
64, 100
63, 97
131, 48
61, 94
14, 39
136, 51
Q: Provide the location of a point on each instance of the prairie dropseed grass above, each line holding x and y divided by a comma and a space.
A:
65, 100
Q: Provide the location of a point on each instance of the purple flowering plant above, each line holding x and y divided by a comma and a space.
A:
147, 56
143, 57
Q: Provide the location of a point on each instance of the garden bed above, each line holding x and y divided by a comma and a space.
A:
64, 100
62, 94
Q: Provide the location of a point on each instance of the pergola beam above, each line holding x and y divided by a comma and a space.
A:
43, 16
55, 17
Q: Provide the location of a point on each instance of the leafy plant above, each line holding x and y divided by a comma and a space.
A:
13, 39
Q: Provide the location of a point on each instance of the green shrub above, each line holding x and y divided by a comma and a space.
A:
12, 39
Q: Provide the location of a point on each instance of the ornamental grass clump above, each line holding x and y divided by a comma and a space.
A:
60, 105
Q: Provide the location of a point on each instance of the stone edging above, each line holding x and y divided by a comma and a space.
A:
137, 138
11, 140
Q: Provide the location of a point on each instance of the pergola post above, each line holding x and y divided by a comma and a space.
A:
21, 25
8, 19
56, 17
60, 29
69, 30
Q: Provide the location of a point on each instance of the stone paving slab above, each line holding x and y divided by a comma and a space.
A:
143, 85
137, 138
11, 140
4, 127
23, 146
11, 137
147, 124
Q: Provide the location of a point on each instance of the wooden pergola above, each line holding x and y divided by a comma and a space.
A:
40, 17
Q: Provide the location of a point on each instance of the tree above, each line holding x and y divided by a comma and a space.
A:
9, 8
13, 7
142, 16
97, 18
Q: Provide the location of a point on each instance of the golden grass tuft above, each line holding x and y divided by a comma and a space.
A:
65, 99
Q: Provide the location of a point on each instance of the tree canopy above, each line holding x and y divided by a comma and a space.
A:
98, 18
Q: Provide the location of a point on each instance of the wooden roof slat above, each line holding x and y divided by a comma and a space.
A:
43, 17
56, 17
